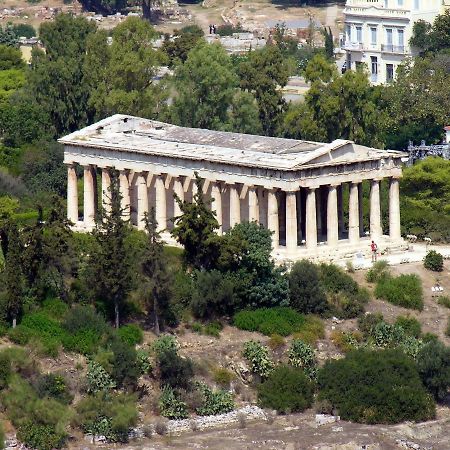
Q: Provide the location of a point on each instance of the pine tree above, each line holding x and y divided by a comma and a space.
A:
154, 269
195, 229
13, 274
110, 263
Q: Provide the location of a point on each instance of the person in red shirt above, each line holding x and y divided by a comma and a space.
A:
374, 249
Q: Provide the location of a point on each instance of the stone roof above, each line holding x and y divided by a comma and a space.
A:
133, 134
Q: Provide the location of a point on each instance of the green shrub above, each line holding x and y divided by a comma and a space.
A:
375, 387
20, 335
40, 436
125, 370
54, 386
305, 292
214, 402
279, 320
213, 328
174, 370
301, 355
444, 300
404, 290
110, 415
2, 437
82, 318
5, 370
143, 362
258, 357
447, 331
368, 322
223, 377
312, 330
85, 341
55, 308
164, 343
98, 379
378, 270
170, 405
410, 325
131, 334
286, 390
433, 364
197, 327
434, 261
276, 341
346, 299
346, 341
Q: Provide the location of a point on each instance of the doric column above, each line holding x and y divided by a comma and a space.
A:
353, 214
160, 204
332, 217
340, 195
124, 186
142, 200
375, 210
253, 204
235, 206
179, 191
319, 213
394, 209
360, 209
311, 219
89, 197
291, 222
106, 195
216, 194
72, 193
272, 217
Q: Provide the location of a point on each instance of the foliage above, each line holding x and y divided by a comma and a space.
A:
434, 37
170, 405
444, 300
214, 402
434, 261
281, 320
163, 344
404, 290
368, 322
177, 49
143, 362
223, 377
301, 355
124, 370
174, 370
10, 58
195, 229
276, 342
287, 389
205, 85
312, 330
305, 292
346, 299
258, 357
346, 341
378, 270
262, 73
109, 415
40, 436
433, 364
375, 387
131, 334
2, 437
110, 265
53, 386
98, 379
410, 325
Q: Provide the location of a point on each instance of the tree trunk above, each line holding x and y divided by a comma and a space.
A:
155, 316
146, 10
116, 312
14, 322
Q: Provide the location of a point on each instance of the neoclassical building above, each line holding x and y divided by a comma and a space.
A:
310, 194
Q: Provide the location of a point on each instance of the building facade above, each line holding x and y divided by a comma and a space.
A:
377, 33
309, 194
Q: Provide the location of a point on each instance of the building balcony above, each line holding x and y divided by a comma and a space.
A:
373, 11
353, 46
389, 48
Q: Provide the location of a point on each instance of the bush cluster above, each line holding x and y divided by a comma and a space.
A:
346, 341
434, 261
375, 387
378, 270
301, 355
287, 390
404, 290
131, 334
170, 405
279, 320
258, 357
214, 402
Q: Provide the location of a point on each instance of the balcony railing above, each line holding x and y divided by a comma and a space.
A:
377, 11
355, 46
389, 48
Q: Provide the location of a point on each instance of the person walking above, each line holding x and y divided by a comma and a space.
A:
374, 249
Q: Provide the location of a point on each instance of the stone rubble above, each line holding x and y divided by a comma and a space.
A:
324, 419
403, 443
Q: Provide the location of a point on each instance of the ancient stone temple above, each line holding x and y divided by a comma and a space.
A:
310, 194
